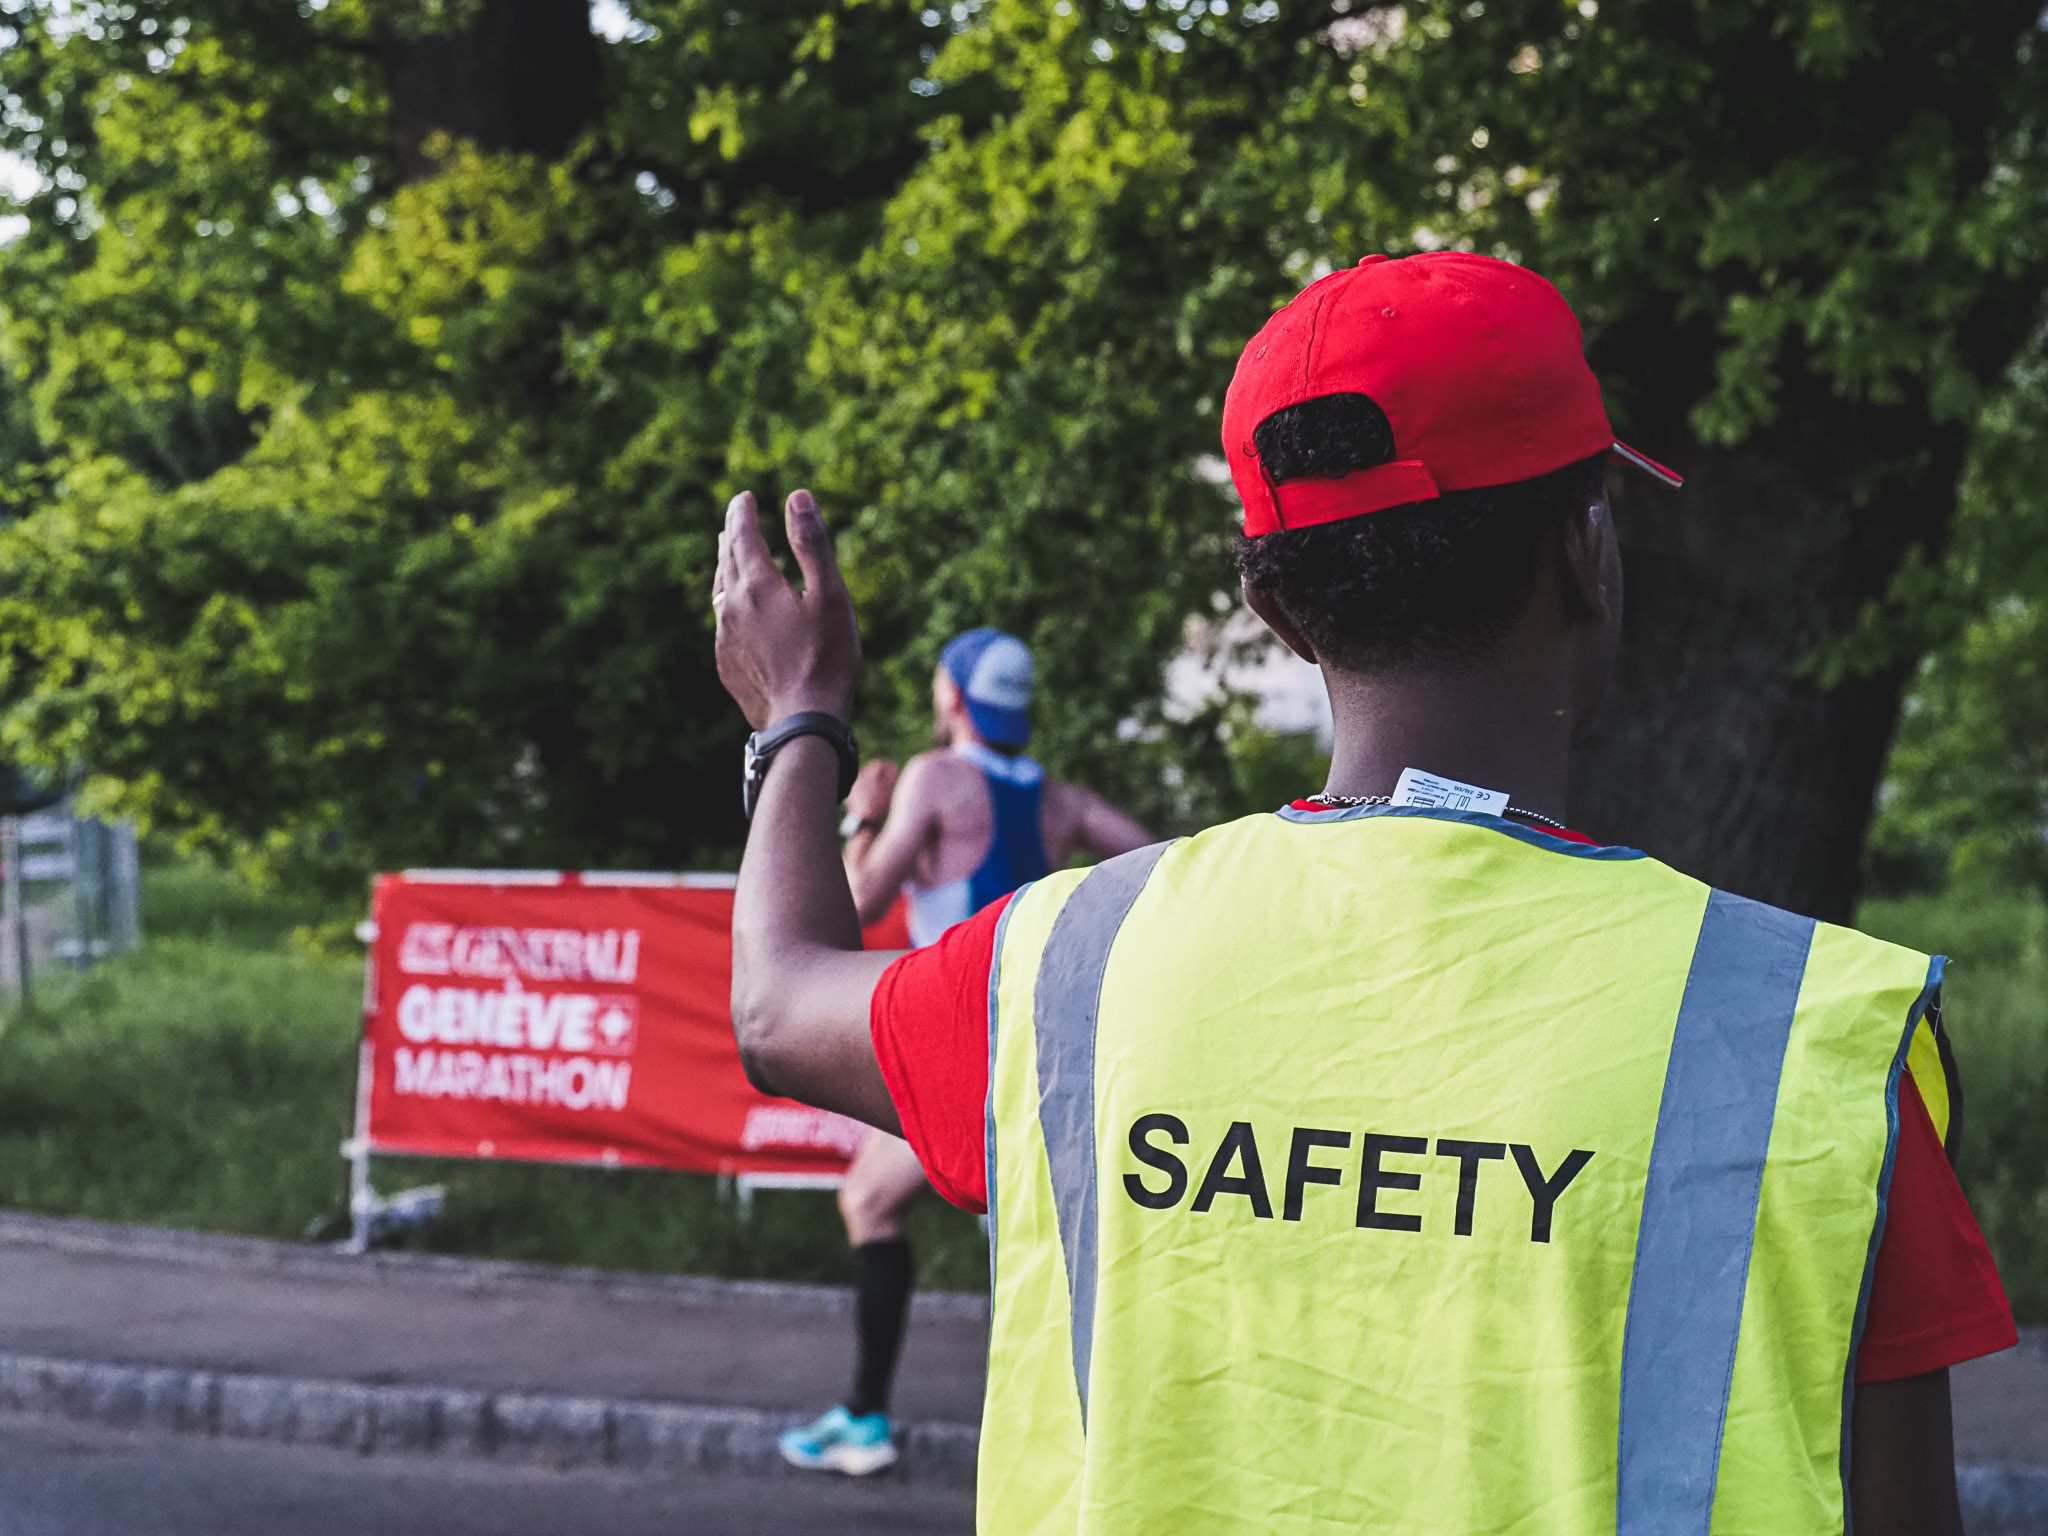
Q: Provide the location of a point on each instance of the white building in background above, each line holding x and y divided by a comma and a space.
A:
1232, 652
1236, 653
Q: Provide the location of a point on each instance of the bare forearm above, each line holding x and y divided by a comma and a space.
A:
896, 825
800, 979
871, 897
1902, 1477
801, 985
788, 900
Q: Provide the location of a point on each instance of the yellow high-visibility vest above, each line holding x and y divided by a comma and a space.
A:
1417, 1172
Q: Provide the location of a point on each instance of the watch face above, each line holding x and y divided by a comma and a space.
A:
828, 727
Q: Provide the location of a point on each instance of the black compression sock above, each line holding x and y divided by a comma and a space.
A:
882, 1277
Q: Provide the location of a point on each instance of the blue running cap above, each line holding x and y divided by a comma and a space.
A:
993, 672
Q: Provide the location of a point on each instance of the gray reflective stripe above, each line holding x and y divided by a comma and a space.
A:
988, 1106
1699, 1213
1068, 995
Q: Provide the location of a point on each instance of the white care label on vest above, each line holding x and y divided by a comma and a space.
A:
1437, 793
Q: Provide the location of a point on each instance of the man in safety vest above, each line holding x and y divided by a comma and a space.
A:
957, 829
1404, 1161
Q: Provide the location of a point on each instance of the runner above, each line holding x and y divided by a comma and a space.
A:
958, 828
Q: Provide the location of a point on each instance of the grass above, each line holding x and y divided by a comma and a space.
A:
207, 1081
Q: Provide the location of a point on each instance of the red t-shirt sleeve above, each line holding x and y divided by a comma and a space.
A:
929, 1019
1935, 1299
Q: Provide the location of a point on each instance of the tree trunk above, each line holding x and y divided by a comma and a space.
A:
521, 78
1721, 750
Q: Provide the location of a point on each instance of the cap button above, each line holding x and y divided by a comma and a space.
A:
1366, 261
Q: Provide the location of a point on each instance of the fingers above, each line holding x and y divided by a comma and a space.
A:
746, 549
728, 560
811, 544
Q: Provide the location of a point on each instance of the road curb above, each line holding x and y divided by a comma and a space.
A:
537, 1428
76, 1234
371, 1418
557, 1430
2004, 1501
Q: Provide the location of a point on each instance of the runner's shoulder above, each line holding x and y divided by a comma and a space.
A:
937, 775
935, 764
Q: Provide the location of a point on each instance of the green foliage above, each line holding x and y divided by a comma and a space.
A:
1966, 796
379, 512
1760, 213
365, 520
208, 1081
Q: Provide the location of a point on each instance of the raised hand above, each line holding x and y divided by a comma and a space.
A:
781, 650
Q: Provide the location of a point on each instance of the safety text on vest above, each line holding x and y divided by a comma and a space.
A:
1382, 1164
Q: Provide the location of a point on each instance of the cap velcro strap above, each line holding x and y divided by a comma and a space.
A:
1306, 503
1648, 465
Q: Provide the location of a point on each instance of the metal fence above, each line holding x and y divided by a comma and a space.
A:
70, 894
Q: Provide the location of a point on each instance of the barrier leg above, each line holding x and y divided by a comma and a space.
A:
16, 904
362, 1197
746, 1184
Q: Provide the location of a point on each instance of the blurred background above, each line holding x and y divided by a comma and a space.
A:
373, 374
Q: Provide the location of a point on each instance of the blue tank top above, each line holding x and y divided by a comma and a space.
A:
1016, 849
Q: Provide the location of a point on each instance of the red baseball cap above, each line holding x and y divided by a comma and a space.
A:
1478, 364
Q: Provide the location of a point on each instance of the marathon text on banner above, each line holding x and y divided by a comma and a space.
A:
570, 1021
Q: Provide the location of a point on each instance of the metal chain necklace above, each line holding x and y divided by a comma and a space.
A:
1345, 802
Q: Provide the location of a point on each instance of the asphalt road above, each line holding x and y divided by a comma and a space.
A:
63, 1479
275, 1309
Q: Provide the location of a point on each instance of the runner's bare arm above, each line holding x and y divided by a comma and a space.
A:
1902, 1468
878, 863
801, 983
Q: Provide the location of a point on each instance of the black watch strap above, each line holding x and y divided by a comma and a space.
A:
763, 745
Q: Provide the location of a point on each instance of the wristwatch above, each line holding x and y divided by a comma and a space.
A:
763, 745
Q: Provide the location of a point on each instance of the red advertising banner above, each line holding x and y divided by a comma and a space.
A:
576, 1019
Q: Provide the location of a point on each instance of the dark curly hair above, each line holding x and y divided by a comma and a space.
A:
1429, 584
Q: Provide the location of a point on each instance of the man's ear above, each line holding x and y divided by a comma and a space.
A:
1262, 603
1589, 563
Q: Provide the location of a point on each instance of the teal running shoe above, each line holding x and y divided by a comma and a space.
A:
855, 1444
